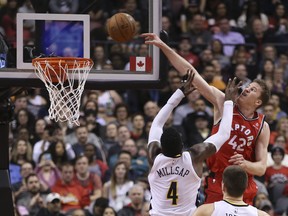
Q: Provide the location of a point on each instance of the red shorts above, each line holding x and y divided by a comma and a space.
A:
213, 190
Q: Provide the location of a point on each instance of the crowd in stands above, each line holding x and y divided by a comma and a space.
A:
100, 167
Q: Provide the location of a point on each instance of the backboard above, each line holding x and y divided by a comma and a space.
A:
73, 31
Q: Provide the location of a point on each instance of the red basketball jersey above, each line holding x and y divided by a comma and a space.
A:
242, 140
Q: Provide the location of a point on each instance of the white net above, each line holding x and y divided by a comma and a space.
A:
64, 79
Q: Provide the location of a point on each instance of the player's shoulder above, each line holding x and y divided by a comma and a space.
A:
262, 213
204, 210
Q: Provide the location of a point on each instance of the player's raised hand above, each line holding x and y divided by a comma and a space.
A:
187, 86
232, 89
152, 38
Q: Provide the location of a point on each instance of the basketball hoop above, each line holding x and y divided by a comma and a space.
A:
64, 78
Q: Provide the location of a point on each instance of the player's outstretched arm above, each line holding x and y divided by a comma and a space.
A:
212, 144
212, 94
156, 129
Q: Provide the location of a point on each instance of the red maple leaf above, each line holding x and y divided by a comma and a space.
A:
140, 64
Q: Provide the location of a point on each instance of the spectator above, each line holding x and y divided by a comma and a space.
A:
194, 103
43, 144
184, 49
138, 127
268, 52
99, 206
109, 211
126, 157
21, 152
32, 199
136, 194
252, 11
278, 172
78, 212
72, 194
93, 126
64, 6
82, 135
96, 166
36, 102
59, 154
279, 84
169, 27
122, 115
123, 135
210, 76
40, 125
283, 63
279, 12
275, 100
220, 12
117, 187
53, 206
90, 182
218, 53
280, 141
107, 100
197, 31
268, 111
139, 164
259, 36
151, 109
111, 135
228, 37
268, 69
196, 127
47, 171
23, 119
281, 129
20, 187
99, 56
206, 58
8, 21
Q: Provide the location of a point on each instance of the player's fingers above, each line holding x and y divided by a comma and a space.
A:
192, 77
231, 160
229, 83
146, 34
189, 76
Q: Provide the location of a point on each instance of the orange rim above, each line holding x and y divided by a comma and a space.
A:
55, 62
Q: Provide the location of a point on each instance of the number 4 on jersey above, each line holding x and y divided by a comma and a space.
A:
172, 193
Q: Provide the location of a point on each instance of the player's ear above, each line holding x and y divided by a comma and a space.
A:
258, 102
222, 186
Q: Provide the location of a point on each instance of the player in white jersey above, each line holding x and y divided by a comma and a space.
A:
234, 184
175, 175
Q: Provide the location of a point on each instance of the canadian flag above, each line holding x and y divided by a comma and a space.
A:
138, 63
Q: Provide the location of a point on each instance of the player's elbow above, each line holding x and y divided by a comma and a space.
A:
225, 135
260, 171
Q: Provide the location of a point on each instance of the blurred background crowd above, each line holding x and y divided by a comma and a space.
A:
100, 167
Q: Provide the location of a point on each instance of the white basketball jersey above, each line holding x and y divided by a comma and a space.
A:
228, 209
174, 186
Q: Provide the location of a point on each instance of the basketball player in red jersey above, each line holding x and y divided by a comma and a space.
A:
249, 137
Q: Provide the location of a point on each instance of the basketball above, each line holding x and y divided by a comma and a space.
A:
121, 27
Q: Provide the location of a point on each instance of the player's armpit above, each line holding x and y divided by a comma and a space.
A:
199, 153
